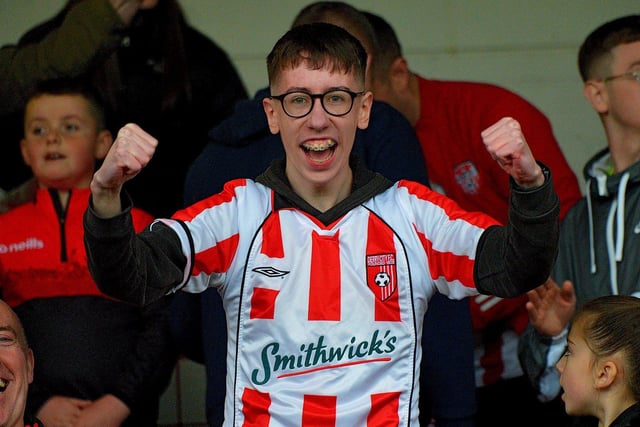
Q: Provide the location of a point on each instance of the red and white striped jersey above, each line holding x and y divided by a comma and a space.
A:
324, 320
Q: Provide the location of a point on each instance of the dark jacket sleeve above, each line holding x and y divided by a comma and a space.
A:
533, 349
89, 30
138, 269
518, 257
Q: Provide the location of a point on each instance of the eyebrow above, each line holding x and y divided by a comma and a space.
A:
306, 90
8, 328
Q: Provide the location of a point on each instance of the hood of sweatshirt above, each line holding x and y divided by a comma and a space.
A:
366, 184
604, 186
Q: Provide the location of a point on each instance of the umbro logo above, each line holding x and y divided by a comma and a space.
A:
270, 271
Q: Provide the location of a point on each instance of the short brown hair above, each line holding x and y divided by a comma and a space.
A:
320, 45
594, 55
73, 86
610, 324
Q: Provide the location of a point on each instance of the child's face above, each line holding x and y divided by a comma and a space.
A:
576, 370
61, 142
317, 145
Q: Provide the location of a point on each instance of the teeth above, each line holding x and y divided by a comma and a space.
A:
320, 147
3, 385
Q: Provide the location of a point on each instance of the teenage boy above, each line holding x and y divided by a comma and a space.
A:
100, 361
325, 268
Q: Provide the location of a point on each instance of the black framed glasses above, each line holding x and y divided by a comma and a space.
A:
634, 75
336, 102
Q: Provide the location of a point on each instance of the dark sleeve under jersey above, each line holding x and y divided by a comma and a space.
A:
518, 257
150, 264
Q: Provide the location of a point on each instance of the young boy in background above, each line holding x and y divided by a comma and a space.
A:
101, 361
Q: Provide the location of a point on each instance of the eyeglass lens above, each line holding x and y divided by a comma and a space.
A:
335, 102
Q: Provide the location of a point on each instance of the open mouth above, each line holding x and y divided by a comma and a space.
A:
3, 385
54, 156
319, 151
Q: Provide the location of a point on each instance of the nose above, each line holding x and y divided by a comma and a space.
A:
560, 365
53, 136
317, 118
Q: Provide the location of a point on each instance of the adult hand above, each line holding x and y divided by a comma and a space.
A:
507, 145
61, 411
105, 411
551, 307
131, 151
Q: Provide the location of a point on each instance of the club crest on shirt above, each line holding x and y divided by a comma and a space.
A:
466, 175
381, 275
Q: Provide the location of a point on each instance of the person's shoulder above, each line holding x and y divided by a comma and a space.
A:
383, 114
21, 213
466, 85
480, 91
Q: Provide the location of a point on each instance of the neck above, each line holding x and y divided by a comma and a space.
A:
63, 196
324, 196
413, 101
613, 403
624, 146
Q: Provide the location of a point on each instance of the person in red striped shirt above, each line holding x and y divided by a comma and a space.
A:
325, 268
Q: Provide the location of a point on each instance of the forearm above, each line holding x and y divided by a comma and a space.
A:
91, 29
106, 203
514, 259
136, 269
538, 355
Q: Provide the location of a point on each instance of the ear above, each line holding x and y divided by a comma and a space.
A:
606, 373
269, 110
365, 110
596, 94
103, 144
25, 152
400, 75
30, 365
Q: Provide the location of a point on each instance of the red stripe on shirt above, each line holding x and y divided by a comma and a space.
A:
319, 411
227, 194
384, 410
380, 241
324, 289
272, 245
217, 258
448, 265
255, 408
451, 208
263, 303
